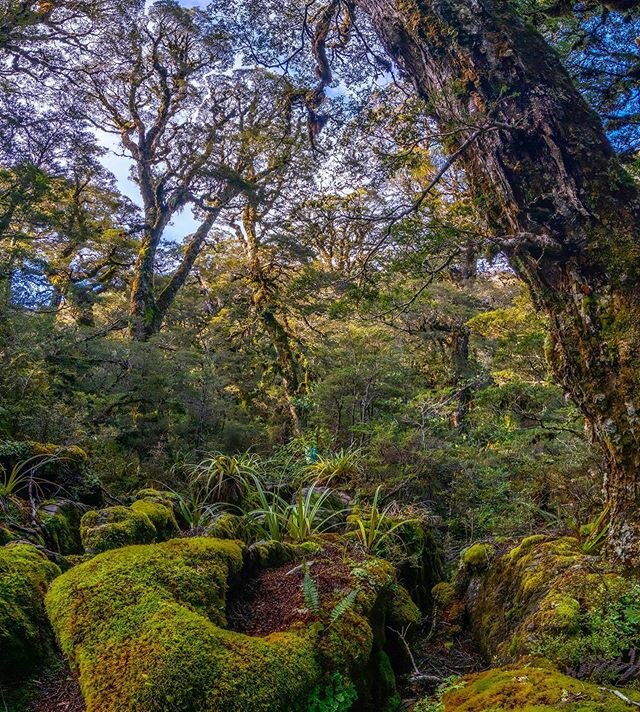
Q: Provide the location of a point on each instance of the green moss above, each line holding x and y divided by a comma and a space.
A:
402, 610
546, 597
60, 525
529, 689
113, 527
160, 609
25, 638
268, 554
477, 555
443, 594
227, 526
160, 516
5, 535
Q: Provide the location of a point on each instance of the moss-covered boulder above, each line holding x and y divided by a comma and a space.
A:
59, 522
170, 499
25, 636
546, 597
530, 688
161, 517
477, 555
159, 613
114, 527
227, 526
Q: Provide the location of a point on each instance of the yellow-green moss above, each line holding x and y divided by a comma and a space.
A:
477, 555
113, 527
443, 594
227, 526
158, 611
25, 637
546, 597
402, 610
160, 516
529, 689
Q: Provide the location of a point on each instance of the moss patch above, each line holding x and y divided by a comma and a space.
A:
529, 689
25, 637
160, 516
159, 611
477, 555
546, 597
113, 527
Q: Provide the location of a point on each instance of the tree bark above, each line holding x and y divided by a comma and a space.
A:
556, 199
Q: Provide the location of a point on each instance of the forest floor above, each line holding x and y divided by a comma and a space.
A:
274, 601
54, 690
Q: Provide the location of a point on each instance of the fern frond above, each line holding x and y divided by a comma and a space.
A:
343, 606
310, 592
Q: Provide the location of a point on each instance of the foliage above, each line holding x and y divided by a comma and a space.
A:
222, 477
374, 528
341, 466
307, 515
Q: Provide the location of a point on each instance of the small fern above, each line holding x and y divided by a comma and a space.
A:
310, 592
342, 606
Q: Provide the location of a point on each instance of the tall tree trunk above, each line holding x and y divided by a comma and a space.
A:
565, 213
142, 303
458, 347
287, 365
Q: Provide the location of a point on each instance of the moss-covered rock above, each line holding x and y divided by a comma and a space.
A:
6, 535
158, 611
25, 636
529, 689
227, 526
546, 597
477, 555
60, 525
269, 554
114, 527
402, 611
160, 516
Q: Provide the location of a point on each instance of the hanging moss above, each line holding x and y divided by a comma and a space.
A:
25, 637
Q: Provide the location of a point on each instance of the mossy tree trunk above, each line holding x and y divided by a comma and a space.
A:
264, 288
557, 202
